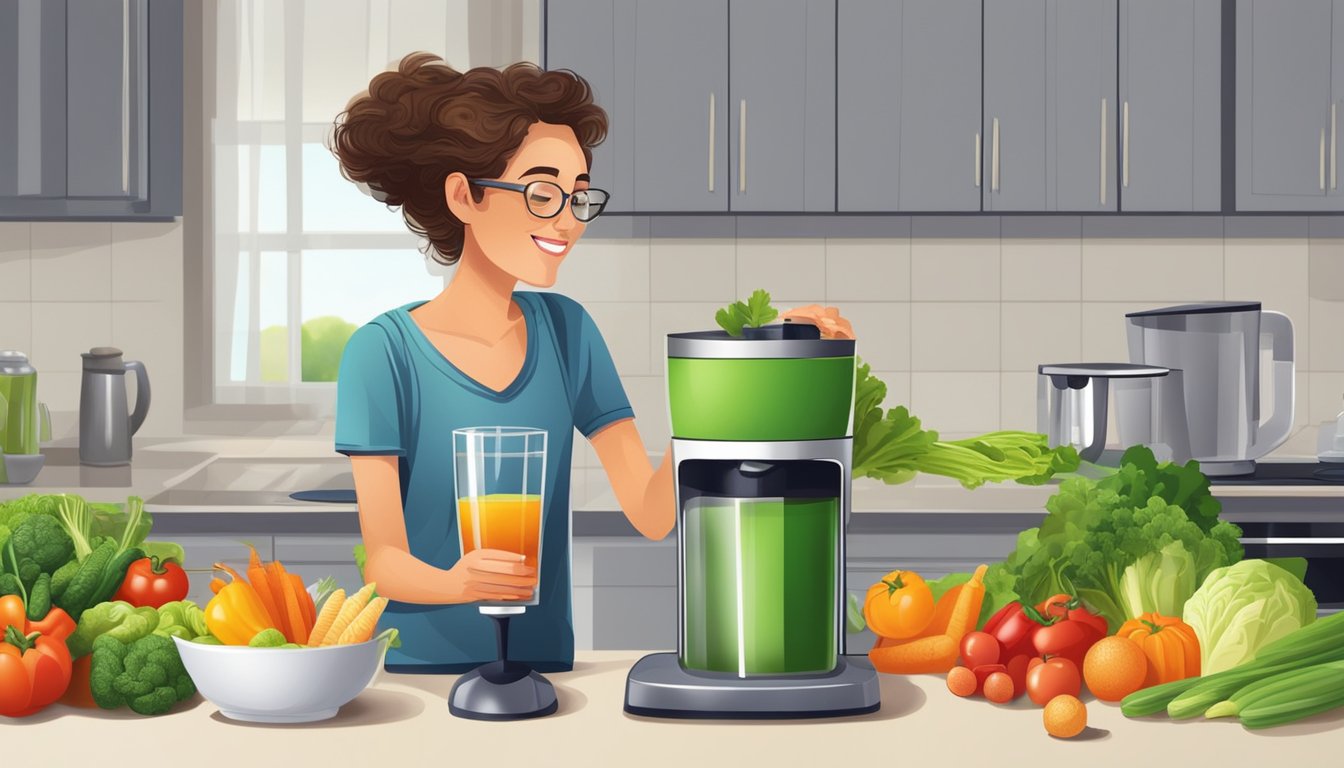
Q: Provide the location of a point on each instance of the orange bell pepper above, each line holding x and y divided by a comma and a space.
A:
236, 613
34, 662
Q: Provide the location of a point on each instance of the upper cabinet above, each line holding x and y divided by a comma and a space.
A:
95, 125
1170, 105
1049, 105
908, 105
1289, 84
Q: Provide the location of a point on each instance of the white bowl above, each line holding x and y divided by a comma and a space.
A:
280, 685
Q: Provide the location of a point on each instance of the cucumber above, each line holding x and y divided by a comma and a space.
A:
1320, 691
1266, 686
1150, 701
114, 573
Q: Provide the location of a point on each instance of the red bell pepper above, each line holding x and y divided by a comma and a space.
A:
1068, 629
34, 661
1014, 629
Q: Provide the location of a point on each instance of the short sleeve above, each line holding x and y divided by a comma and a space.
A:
595, 387
369, 401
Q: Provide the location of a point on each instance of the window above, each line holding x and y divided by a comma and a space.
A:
302, 256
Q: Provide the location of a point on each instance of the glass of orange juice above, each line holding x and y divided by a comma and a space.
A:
500, 474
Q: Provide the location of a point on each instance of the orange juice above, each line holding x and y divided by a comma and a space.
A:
508, 521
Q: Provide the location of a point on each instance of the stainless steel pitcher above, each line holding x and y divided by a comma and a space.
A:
106, 422
1216, 347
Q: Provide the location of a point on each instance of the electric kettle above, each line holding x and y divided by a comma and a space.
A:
1216, 348
106, 422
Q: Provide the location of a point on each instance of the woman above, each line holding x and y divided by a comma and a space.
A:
492, 168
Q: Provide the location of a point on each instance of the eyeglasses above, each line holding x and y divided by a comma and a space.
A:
546, 199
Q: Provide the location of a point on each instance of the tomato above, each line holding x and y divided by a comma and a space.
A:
999, 688
1053, 677
982, 674
150, 583
979, 649
1017, 671
899, 606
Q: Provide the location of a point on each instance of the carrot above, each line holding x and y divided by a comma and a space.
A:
257, 574
349, 611
305, 601
326, 618
934, 653
217, 584
362, 627
275, 578
942, 613
298, 629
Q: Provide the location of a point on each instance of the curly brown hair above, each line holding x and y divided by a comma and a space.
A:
418, 124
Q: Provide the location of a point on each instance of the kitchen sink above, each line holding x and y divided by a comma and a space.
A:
254, 481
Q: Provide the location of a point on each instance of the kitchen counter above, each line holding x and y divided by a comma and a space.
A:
404, 720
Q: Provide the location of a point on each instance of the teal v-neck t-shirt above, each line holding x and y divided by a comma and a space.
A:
396, 394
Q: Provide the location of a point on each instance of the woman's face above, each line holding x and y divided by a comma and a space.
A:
514, 239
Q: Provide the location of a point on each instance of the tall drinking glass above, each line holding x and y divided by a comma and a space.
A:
499, 474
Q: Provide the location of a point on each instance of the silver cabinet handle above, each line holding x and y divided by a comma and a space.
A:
977, 159
742, 148
1299, 540
711, 141
994, 158
125, 95
1321, 173
1103, 150
1124, 149
1333, 184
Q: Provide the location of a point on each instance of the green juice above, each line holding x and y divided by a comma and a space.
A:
760, 585
18, 413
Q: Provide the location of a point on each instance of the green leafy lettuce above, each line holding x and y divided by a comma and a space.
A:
1141, 539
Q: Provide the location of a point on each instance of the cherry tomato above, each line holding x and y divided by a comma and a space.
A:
1053, 677
151, 583
961, 681
979, 649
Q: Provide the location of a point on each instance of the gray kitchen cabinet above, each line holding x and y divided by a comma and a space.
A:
1015, 84
625, 593
95, 125
1049, 105
1287, 105
681, 106
593, 39
781, 64
1170, 105
908, 105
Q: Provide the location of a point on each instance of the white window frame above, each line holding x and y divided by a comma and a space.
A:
523, 16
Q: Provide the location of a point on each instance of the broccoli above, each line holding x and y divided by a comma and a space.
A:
9, 585
267, 638
146, 675
42, 539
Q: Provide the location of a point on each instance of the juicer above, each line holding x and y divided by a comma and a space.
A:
761, 454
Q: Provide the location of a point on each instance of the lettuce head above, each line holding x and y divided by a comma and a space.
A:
1243, 607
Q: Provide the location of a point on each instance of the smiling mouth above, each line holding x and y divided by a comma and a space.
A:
555, 247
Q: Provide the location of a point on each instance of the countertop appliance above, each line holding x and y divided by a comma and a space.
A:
1216, 347
106, 422
1073, 403
24, 422
761, 455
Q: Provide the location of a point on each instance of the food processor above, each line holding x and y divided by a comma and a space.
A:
761, 454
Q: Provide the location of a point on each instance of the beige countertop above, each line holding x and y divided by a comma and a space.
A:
404, 720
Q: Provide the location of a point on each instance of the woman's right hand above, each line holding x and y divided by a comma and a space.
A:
491, 574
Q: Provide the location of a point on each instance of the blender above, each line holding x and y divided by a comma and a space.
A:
761, 454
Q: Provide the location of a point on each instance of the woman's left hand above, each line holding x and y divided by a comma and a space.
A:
827, 320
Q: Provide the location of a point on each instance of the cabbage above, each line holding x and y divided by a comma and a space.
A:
1159, 582
1243, 607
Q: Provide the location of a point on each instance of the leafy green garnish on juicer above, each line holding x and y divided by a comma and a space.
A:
755, 313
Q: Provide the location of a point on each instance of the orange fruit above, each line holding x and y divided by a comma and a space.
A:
999, 688
1065, 716
1114, 668
961, 681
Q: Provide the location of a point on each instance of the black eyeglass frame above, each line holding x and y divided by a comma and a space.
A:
564, 196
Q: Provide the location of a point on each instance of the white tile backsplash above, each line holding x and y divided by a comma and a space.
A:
147, 261
1160, 271
693, 270
16, 326
954, 336
1042, 270
954, 269
793, 271
605, 270
625, 328
1017, 400
72, 261
1326, 349
145, 331
955, 403
15, 264
867, 270
676, 317
1036, 333
62, 330
882, 330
